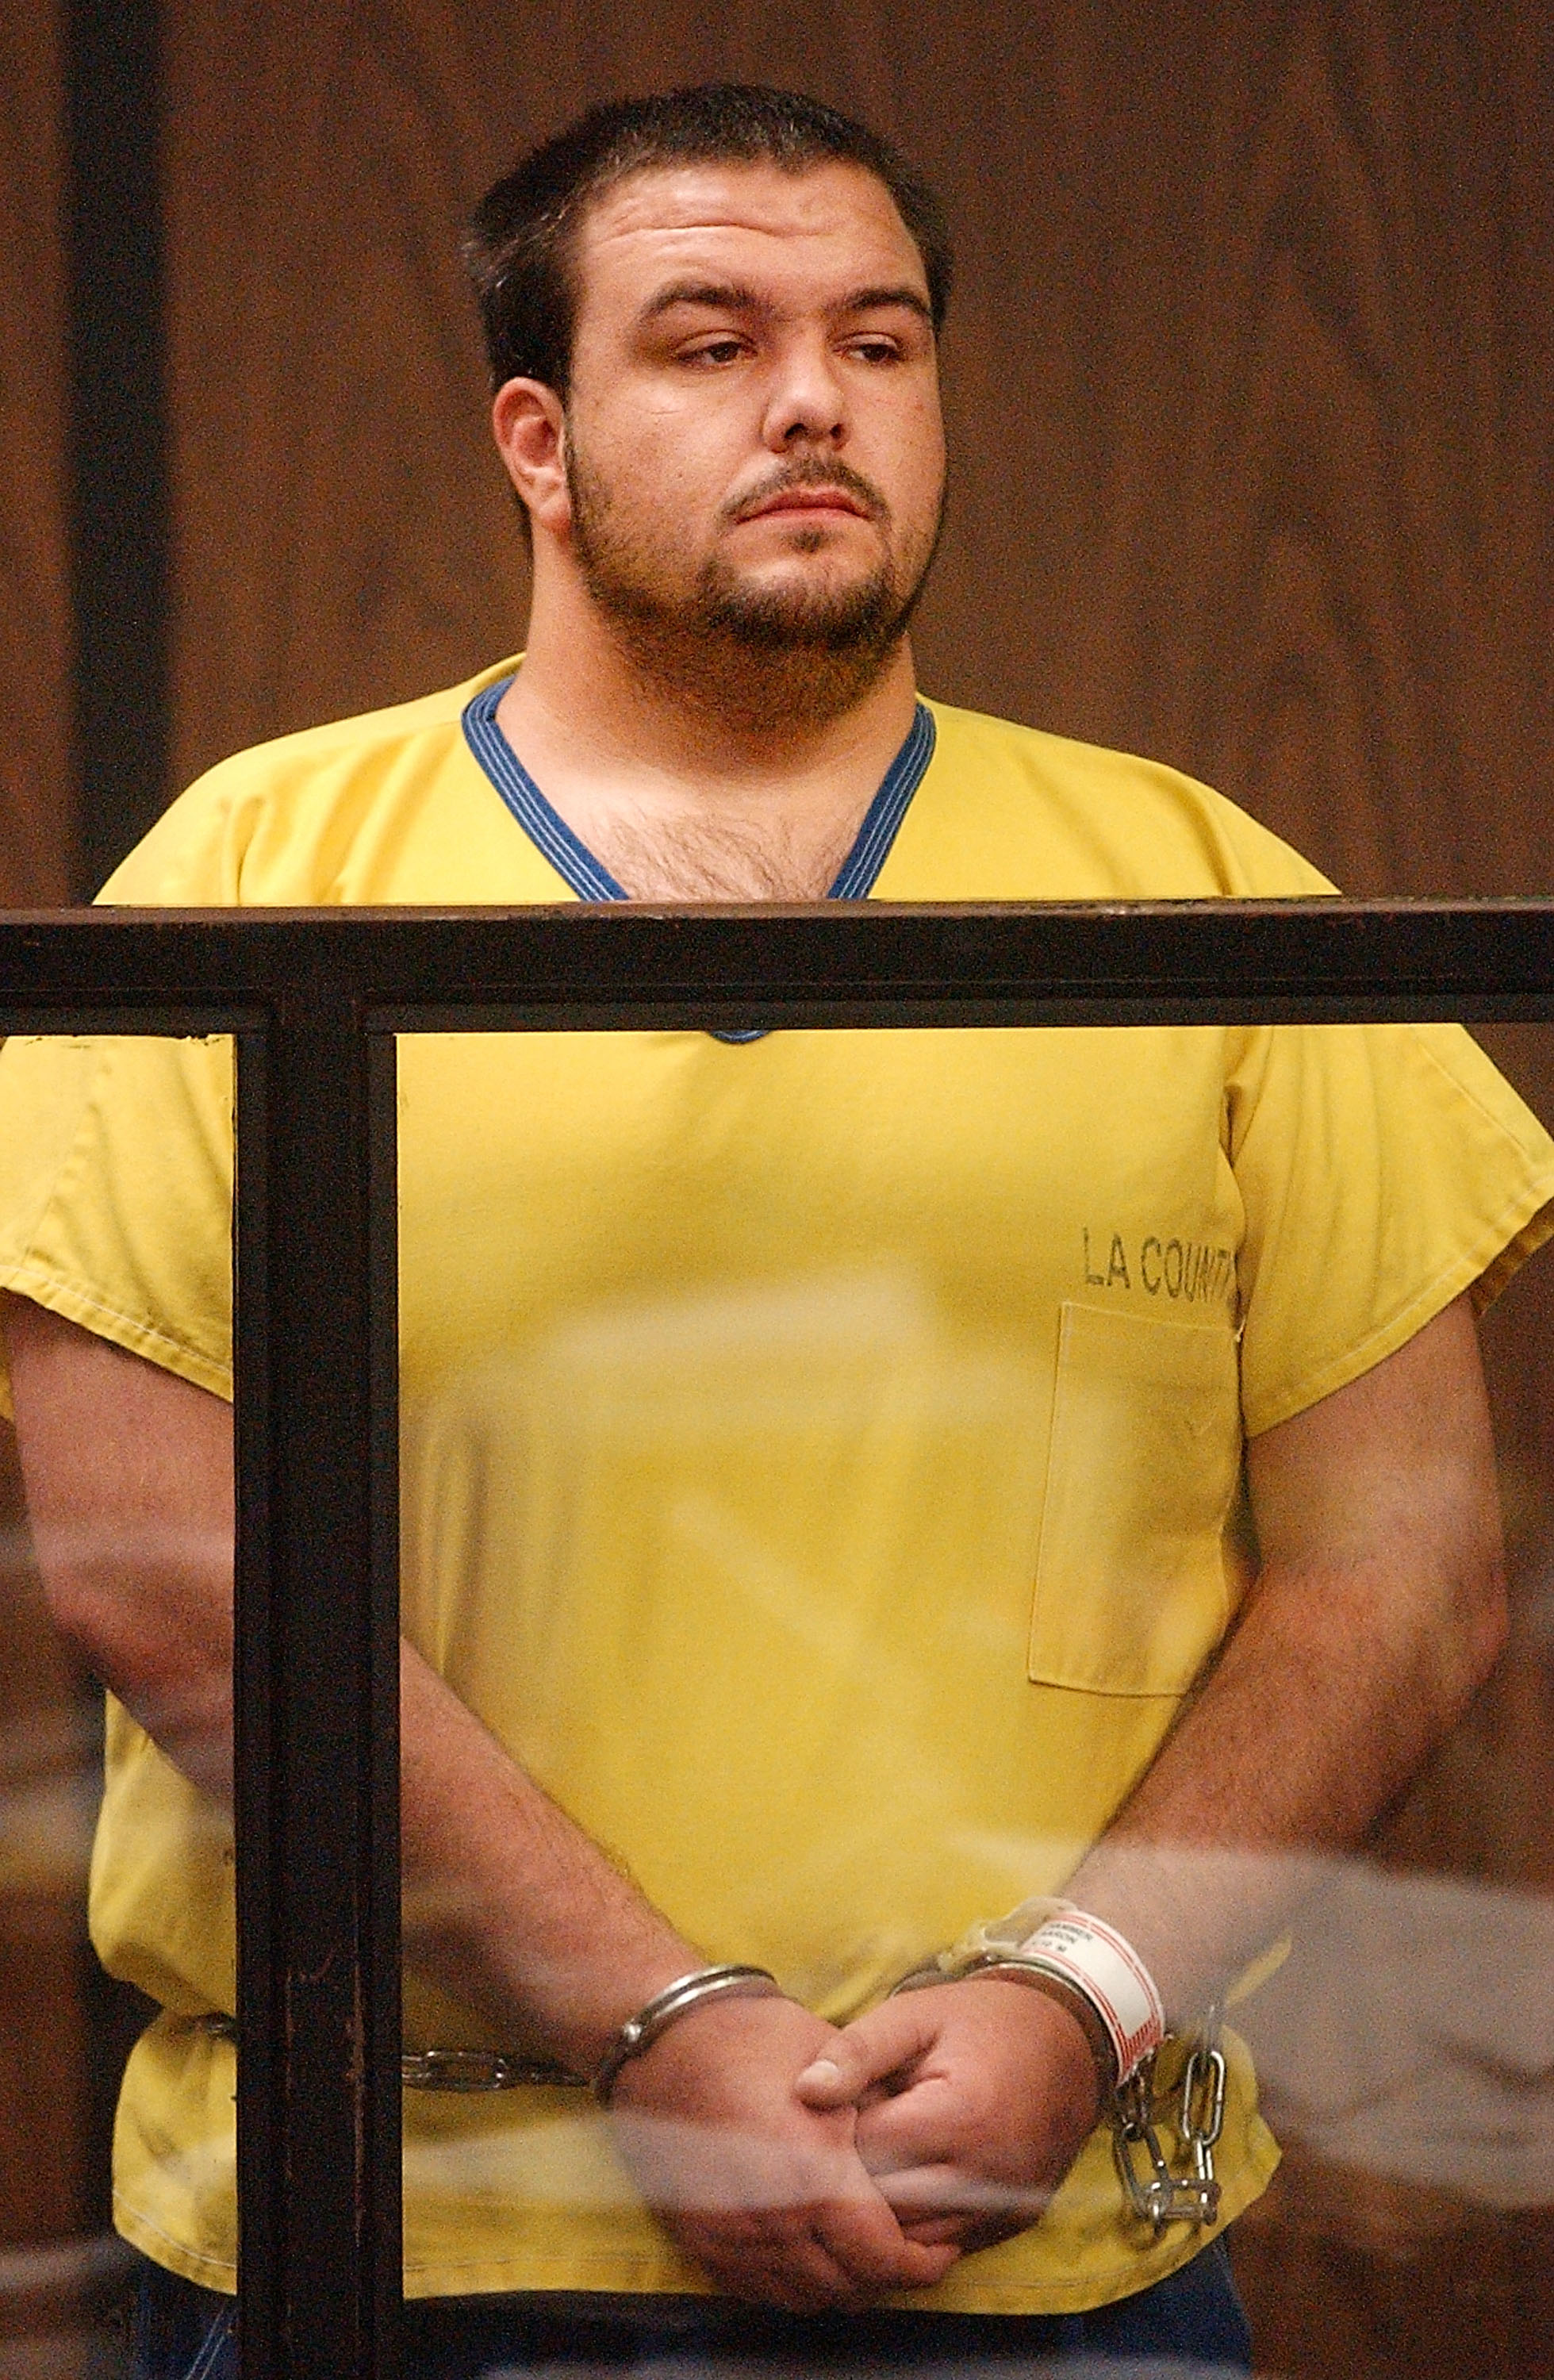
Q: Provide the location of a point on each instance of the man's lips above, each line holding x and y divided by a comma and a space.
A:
807, 500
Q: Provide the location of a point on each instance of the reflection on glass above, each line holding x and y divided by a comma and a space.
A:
62, 2271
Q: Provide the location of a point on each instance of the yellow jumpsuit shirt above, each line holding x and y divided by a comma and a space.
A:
820, 1452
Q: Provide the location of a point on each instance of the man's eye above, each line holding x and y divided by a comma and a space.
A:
714, 351
876, 351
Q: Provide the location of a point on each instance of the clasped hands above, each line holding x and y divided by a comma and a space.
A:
813, 2166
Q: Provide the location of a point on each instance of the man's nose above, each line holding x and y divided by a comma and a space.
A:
807, 403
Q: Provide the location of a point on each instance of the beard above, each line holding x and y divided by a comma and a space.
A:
763, 656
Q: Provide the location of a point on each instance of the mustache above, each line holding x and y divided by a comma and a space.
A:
811, 471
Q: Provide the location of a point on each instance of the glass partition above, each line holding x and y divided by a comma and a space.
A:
821, 1467
1404, 2047
116, 1507
847, 1529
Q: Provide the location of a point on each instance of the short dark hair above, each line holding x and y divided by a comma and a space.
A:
518, 249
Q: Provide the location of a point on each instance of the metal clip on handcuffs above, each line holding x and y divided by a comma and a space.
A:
1165, 2197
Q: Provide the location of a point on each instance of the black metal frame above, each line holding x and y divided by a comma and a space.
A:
119, 432
314, 998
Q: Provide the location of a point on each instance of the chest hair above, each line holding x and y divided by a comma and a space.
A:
719, 859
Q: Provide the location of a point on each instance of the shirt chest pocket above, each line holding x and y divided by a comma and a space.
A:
1133, 1574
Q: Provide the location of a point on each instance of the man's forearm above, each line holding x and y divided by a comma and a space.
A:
507, 1902
1285, 1762
129, 1477
1379, 1609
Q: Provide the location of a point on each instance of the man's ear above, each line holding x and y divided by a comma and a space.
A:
528, 422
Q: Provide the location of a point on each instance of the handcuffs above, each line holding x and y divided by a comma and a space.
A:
1126, 2061
1154, 2193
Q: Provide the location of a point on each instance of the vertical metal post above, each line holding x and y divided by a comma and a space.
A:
118, 426
316, 1687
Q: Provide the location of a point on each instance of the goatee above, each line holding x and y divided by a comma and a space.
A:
770, 657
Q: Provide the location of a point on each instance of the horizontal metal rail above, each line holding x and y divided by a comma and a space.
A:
314, 998
597, 966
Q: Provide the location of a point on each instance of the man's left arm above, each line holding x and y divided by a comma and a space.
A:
1378, 1610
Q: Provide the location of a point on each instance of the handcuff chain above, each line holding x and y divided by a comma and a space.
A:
1161, 2197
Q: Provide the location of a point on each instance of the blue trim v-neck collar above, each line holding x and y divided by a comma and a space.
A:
591, 881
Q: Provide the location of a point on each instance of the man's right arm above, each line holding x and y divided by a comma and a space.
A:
127, 1471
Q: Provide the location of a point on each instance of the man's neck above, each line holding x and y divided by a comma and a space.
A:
686, 799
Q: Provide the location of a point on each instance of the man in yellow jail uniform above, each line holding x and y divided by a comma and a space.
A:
855, 1486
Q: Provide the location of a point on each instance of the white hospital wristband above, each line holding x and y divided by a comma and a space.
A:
1108, 1972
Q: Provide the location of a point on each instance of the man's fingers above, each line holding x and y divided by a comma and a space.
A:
842, 2254
868, 2242
797, 2271
907, 2128
928, 2261
867, 2052
938, 2230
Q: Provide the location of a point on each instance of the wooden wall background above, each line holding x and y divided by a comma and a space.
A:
1253, 413
44, 2101
36, 778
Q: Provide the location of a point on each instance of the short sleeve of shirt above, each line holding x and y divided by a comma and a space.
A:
1384, 1170
115, 1193
115, 1154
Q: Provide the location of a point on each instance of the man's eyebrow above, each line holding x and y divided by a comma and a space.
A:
865, 302
724, 296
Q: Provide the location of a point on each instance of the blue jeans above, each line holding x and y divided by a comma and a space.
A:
1189, 2327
